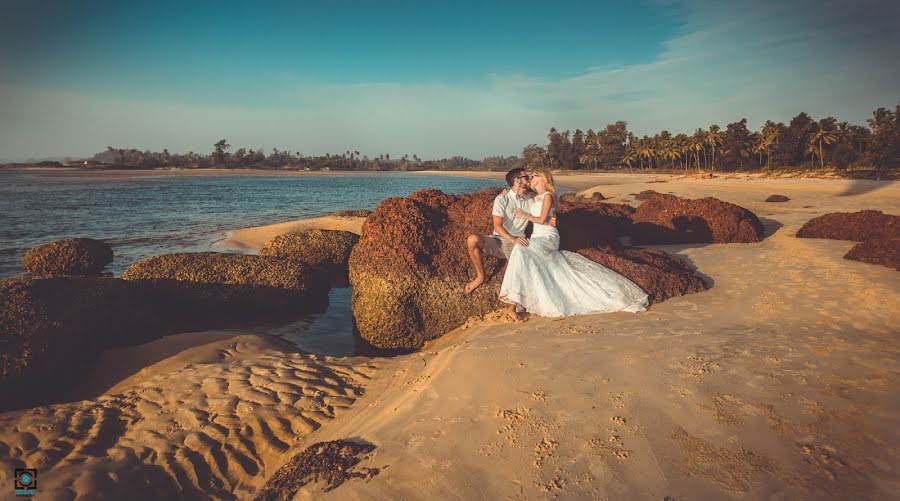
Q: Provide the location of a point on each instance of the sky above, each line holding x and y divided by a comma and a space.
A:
432, 78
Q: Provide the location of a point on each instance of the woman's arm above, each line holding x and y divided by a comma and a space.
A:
545, 211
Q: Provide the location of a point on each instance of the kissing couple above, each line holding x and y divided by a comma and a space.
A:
540, 278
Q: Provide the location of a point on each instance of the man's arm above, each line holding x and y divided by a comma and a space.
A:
506, 235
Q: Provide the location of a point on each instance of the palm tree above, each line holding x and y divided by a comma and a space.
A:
631, 155
822, 136
714, 138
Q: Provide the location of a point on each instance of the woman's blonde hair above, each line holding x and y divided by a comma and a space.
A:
548, 180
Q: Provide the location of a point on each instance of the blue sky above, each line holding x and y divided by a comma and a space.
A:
436, 79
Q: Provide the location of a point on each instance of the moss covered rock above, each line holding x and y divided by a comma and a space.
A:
352, 213
669, 219
52, 328
410, 266
204, 289
69, 256
314, 247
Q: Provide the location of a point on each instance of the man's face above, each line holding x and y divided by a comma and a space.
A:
522, 180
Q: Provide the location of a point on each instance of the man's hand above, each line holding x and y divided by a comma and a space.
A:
553, 221
521, 241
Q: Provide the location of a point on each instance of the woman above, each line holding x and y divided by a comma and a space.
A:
552, 283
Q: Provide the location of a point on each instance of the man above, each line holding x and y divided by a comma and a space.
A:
509, 230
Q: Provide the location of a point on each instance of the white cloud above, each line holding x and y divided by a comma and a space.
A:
760, 60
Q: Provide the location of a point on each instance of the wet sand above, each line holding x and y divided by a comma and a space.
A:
778, 382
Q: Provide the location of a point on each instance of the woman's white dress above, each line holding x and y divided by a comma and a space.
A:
553, 283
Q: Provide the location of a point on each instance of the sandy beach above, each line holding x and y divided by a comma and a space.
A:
780, 382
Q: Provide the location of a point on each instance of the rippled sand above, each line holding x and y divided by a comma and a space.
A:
778, 382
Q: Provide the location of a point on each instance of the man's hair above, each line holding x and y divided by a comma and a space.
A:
512, 174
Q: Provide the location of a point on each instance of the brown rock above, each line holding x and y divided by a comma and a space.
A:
352, 213
660, 275
313, 247
70, 256
857, 226
883, 250
410, 266
52, 328
778, 198
210, 289
331, 463
585, 223
668, 219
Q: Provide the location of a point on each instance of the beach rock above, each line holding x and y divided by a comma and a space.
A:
52, 328
882, 250
856, 226
410, 266
668, 219
210, 289
313, 247
778, 198
331, 463
585, 222
69, 256
660, 275
352, 213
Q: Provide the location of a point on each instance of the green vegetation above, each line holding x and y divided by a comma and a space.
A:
803, 143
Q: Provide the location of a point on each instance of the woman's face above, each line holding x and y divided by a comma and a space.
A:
536, 181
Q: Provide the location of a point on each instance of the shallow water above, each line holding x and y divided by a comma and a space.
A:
143, 217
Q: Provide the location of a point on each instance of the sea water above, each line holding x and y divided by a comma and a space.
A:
146, 216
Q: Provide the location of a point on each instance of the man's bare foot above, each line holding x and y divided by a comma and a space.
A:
474, 284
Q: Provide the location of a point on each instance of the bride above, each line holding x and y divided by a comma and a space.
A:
543, 280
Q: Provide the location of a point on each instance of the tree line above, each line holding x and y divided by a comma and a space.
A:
803, 142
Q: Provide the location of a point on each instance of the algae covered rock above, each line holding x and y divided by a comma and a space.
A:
69, 256
778, 198
204, 289
410, 266
587, 222
660, 275
856, 226
883, 250
52, 328
351, 213
314, 247
669, 219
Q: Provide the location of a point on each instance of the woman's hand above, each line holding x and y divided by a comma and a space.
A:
522, 214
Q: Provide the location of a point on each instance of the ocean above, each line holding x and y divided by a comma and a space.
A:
146, 216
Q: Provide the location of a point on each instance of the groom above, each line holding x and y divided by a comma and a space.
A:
509, 230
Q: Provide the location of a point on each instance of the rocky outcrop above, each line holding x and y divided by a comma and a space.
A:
313, 247
352, 213
660, 275
883, 250
878, 232
206, 289
410, 266
69, 256
857, 226
51, 329
668, 219
585, 222
778, 198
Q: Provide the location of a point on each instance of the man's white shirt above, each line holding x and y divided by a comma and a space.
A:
505, 206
